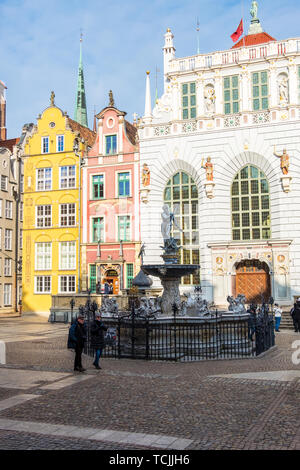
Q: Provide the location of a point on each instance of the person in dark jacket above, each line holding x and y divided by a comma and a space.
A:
106, 288
76, 340
252, 321
97, 338
296, 315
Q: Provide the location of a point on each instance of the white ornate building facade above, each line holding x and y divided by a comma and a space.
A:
223, 148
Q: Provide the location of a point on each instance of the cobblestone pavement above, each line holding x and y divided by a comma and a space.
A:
183, 400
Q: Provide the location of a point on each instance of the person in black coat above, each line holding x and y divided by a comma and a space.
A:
97, 338
296, 315
76, 340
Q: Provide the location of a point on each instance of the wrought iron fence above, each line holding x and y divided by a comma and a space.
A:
182, 339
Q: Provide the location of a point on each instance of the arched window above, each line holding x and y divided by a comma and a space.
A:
250, 199
181, 195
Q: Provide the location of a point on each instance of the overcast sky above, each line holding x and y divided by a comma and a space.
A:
39, 49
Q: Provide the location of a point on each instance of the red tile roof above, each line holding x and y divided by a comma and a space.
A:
253, 40
9, 144
88, 135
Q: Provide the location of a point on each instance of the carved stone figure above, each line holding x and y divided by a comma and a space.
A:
254, 10
283, 88
168, 220
52, 98
109, 307
209, 169
209, 99
237, 305
111, 99
147, 308
284, 161
145, 175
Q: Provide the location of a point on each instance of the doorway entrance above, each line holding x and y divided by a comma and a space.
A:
253, 280
112, 278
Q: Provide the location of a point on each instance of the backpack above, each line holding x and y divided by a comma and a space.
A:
71, 337
110, 337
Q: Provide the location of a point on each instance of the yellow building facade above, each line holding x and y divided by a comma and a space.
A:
51, 229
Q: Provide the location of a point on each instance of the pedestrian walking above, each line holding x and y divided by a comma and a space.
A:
106, 288
278, 315
252, 321
296, 315
76, 340
111, 288
97, 338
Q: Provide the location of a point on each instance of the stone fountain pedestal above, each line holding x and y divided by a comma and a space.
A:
170, 275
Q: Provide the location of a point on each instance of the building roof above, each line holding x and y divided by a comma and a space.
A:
9, 143
88, 135
131, 132
253, 40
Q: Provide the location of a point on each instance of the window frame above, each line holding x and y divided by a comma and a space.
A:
43, 217
9, 293
58, 144
43, 180
68, 277
68, 177
128, 217
189, 107
69, 255
45, 138
6, 238
118, 183
68, 215
100, 175
45, 255
42, 292
111, 136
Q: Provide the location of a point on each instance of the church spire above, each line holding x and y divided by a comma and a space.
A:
80, 115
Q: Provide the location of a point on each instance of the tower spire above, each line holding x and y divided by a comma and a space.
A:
80, 114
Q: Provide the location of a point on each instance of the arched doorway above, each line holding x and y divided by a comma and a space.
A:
253, 280
112, 278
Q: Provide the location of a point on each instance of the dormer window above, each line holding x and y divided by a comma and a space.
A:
111, 144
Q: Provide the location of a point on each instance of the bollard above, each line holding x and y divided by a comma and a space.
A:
2, 353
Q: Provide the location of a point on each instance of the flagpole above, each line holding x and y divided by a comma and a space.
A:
198, 41
243, 23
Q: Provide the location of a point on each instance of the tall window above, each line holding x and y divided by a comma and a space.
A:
43, 216
1, 207
42, 284
67, 177
124, 184
189, 100
98, 229
21, 211
44, 179
110, 144
43, 256
7, 295
7, 267
98, 186
8, 239
67, 255
129, 275
231, 94
8, 209
93, 278
250, 205
45, 144
181, 195
124, 228
260, 91
67, 215
60, 143
4, 180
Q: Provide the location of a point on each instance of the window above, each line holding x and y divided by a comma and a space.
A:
1, 238
129, 275
231, 94
8, 209
8, 239
3, 183
181, 195
44, 179
124, 228
21, 240
45, 144
0, 207
43, 256
67, 255
250, 202
43, 216
67, 284
21, 211
124, 184
93, 278
110, 144
42, 284
260, 91
67, 177
22, 184
98, 229
7, 267
60, 143
98, 187
67, 215
189, 100
7, 295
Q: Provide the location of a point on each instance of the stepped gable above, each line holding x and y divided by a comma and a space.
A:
88, 135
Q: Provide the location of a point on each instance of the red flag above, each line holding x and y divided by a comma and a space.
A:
236, 36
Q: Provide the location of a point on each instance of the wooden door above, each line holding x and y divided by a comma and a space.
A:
253, 280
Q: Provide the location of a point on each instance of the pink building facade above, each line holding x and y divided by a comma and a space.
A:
110, 206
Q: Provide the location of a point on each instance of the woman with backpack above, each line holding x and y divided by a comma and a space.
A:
97, 338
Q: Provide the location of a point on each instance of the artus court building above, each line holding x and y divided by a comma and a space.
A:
223, 148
